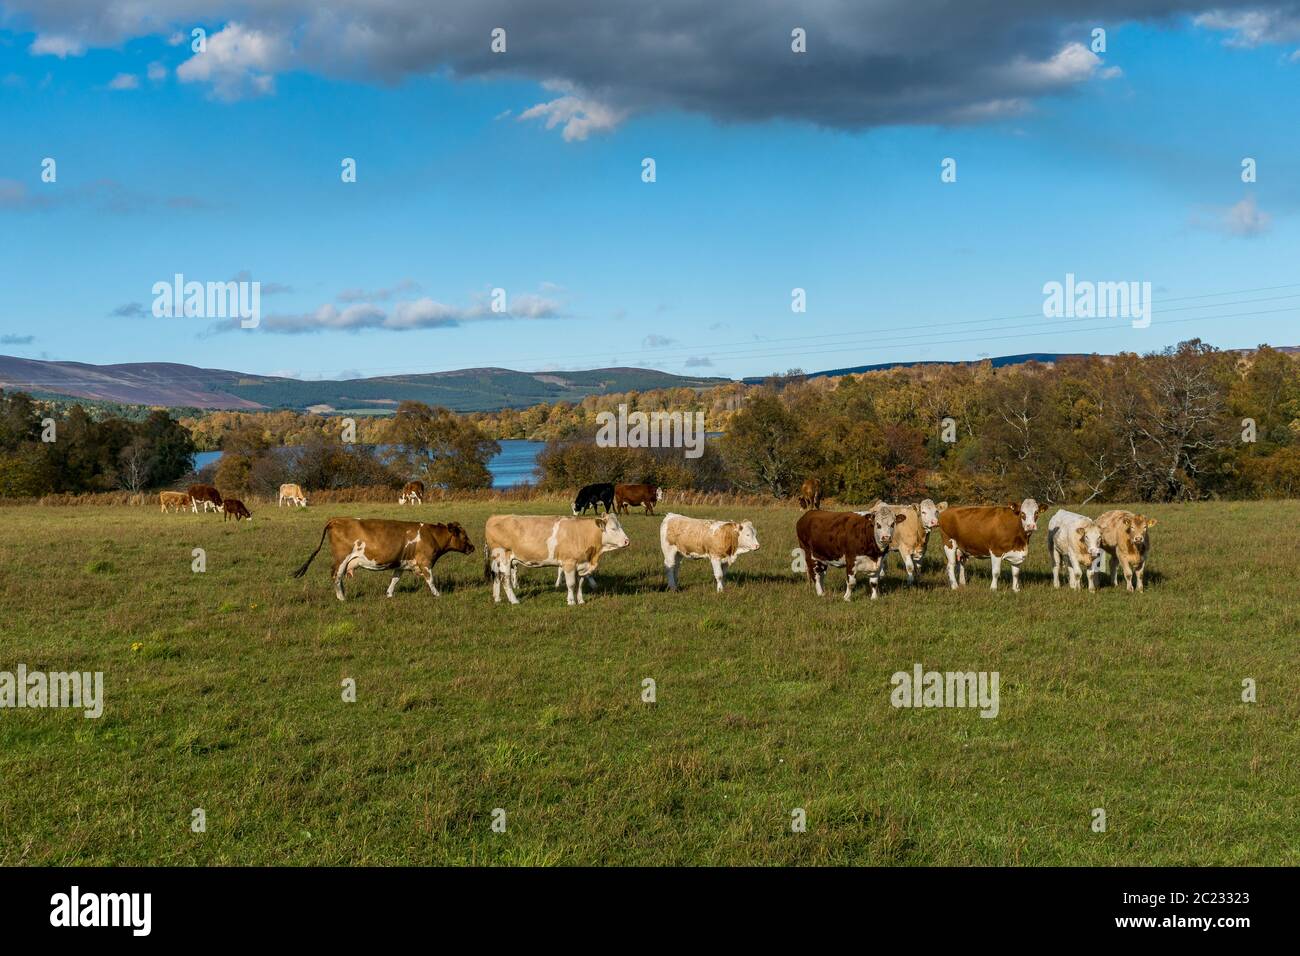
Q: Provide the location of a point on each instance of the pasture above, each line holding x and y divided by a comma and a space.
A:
223, 692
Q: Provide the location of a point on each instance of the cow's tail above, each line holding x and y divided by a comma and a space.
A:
488, 573
307, 564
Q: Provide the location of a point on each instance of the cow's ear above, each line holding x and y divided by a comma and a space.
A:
1014, 507
600, 523
1081, 532
943, 506
1151, 522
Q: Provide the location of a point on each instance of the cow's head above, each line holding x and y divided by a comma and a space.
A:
459, 539
929, 512
1090, 540
1028, 512
883, 521
659, 494
747, 539
612, 535
575, 507
1136, 529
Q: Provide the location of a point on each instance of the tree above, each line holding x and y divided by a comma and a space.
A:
443, 449
766, 448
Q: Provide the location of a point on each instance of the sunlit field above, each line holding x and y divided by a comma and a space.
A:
224, 692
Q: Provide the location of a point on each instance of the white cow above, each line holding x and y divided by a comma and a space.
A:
719, 541
1077, 539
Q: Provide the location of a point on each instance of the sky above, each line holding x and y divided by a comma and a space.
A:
523, 170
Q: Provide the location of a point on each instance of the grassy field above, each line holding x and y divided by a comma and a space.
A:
223, 692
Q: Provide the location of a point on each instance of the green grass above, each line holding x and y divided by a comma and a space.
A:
768, 699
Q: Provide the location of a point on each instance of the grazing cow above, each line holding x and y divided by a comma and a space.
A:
912, 532
592, 496
234, 508
996, 532
634, 495
1077, 539
294, 495
810, 494
856, 542
379, 544
1125, 537
719, 541
205, 495
574, 545
174, 499
413, 492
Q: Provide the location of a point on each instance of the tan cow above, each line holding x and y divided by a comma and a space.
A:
912, 532
810, 494
294, 495
574, 545
996, 532
1076, 539
378, 544
719, 541
174, 499
1125, 538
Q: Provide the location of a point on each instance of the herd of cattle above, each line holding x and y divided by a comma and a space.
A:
858, 541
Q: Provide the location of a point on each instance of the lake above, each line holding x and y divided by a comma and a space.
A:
513, 466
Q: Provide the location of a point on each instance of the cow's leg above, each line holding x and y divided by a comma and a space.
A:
1139, 571
496, 581
1074, 573
672, 563
950, 553
817, 572
392, 585
876, 576
850, 579
509, 579
570, 579
719, 571
962, 569
339, 570
427, 574
559, 576
997, 571
1015, 576
1056, 567
908, 564
1126, 570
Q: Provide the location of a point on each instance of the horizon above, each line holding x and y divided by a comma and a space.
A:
775, 171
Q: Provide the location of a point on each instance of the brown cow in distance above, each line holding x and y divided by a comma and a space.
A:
412, 491
996, 532
855, 542
205, 495
167, 500
234, 508
379, 544
810, 494
634, 495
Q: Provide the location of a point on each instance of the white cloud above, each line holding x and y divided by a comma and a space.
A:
238, 62
580, 116
1252, 28
1246, 218
50, 44
124, 81
656, 342
157, 72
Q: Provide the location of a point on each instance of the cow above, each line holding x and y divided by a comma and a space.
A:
174, 499
810, 493
856, 542
592, 496
205, 495
234, 508
1076, 539
380, 544
719, 541
997, 532
1125, 537
574, 545
647, 495
912, 532
294, 495
412, 492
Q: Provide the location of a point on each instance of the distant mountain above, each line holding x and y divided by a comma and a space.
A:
885, 366
184, 386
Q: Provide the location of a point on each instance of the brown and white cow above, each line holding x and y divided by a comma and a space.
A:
205, 495
1126, 539
810, 493
1076, 540
412, 492
912, 532
379, 544
997, 532
719, 541
234, 508
574, 545
634, 495
168, 500
293, 494
856, 542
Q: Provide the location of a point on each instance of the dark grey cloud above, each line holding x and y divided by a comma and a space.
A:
867, 64
17, 339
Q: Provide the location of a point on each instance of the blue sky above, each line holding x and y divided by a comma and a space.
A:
1126, 166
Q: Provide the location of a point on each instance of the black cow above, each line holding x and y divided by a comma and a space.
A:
592, 496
